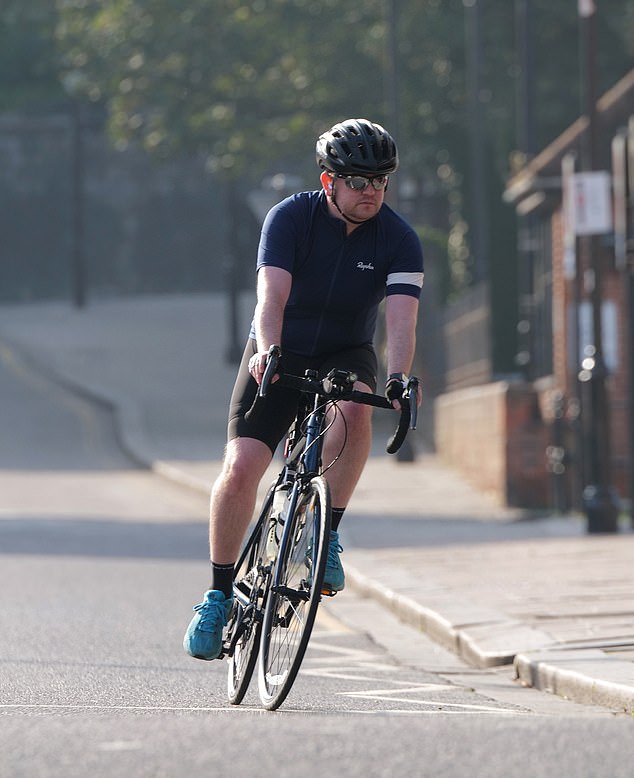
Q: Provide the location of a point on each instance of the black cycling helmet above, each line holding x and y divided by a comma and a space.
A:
357, 147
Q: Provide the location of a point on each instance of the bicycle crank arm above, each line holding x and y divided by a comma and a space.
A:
292, 595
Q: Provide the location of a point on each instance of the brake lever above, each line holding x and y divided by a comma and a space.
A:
272, 363
412, 396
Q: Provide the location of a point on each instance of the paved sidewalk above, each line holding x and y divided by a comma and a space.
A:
485, 581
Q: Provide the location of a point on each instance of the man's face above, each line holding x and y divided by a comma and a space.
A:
359, 204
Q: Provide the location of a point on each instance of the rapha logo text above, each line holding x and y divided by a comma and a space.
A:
365, 266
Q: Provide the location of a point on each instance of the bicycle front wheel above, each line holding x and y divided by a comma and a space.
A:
294, 595
251, 579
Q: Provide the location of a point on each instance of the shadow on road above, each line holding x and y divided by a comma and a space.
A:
104, 538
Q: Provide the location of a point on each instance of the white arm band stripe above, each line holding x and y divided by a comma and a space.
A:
413, 279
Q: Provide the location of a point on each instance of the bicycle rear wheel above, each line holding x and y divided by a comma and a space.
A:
294, 595
251, 580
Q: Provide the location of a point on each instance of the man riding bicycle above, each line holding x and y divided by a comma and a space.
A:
326, 260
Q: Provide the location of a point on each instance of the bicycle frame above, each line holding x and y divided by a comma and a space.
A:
261, 573
302, 462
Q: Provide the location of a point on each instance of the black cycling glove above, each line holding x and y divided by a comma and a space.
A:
395, 386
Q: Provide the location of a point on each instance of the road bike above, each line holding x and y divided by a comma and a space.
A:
279, 575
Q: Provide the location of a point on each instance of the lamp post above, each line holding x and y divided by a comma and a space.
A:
233, 351
599, 500
477, 140
524, 18
71, 83
392, 96
623, 189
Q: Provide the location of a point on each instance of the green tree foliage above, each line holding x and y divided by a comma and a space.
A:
244, 83
248, 84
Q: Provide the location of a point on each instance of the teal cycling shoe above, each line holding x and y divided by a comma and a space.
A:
203, 639
334, 577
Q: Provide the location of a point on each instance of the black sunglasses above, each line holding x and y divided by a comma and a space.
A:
361, 183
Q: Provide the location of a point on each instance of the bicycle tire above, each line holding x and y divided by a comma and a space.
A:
294, 595
251, 578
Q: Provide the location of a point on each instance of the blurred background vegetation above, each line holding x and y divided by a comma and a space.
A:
240, 90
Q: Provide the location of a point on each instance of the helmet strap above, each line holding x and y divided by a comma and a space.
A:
347, 218
330, 190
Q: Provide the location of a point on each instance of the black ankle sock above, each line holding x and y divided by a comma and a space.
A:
222, 578
336, 514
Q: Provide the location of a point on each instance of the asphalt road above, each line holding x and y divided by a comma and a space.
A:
100, 564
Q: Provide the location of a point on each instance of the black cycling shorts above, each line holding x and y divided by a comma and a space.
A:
280, 404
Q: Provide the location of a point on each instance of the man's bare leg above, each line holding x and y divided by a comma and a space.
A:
232, 502
344, 475
233, 497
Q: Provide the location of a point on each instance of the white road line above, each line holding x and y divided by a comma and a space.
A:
55, 706
444, 707
426, 687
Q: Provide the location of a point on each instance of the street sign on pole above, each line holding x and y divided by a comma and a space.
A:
591, 202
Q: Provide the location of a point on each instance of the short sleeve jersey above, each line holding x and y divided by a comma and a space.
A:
338, 280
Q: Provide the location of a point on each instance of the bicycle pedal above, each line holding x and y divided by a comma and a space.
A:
328, 592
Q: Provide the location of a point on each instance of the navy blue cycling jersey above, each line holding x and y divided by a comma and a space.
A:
339, 280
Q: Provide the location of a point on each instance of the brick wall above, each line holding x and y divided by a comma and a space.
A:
495, 437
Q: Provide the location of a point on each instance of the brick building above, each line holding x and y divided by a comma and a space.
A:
533, 440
